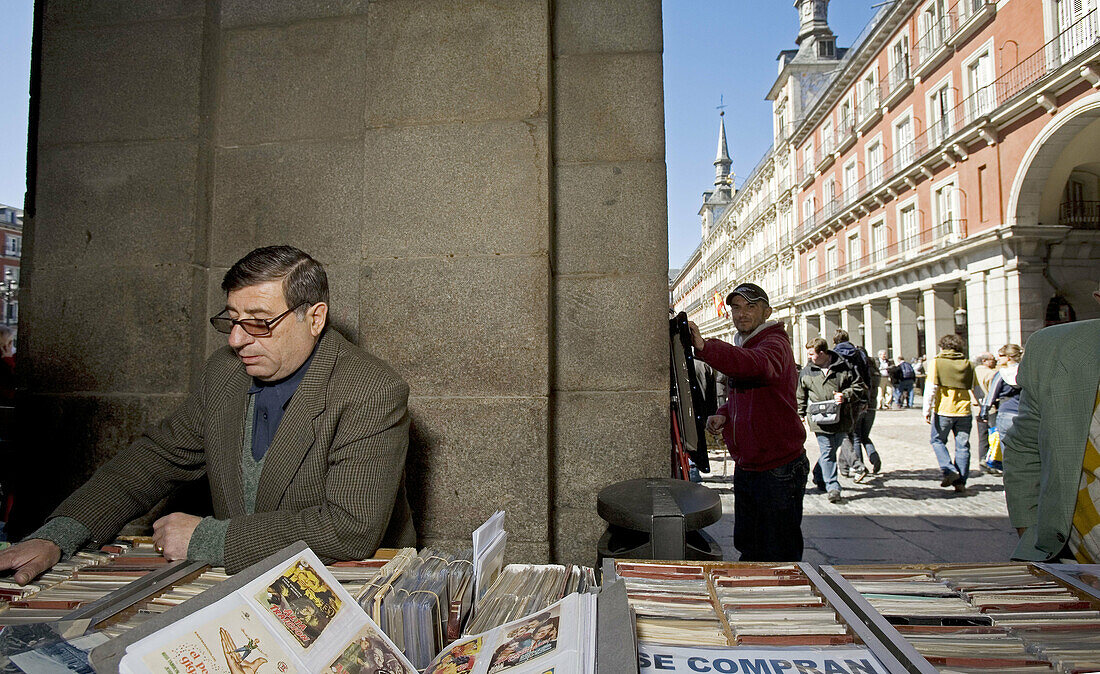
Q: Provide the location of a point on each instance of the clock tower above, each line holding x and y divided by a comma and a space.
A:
814, 36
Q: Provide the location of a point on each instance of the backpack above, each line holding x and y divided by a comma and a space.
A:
907, 371
859, 366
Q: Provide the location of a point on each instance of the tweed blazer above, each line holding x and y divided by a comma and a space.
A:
1044, 449
333, 476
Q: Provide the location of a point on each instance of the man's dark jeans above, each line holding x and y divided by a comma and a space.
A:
767, 512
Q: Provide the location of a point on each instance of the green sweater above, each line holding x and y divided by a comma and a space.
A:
208, 540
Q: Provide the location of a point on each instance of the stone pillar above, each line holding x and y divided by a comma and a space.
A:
874, 327
939, 317
977, 317
903, 325
811, 327
830, 321
175, 137
603, 283
997, 308
851, 320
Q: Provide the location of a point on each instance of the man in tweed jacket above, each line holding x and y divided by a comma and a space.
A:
300, 434
1045, 448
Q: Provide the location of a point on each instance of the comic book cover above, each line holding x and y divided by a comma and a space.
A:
369, 653
458, 659
232, 642
301, 601
535, 637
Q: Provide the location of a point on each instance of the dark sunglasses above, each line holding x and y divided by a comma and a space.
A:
257, 327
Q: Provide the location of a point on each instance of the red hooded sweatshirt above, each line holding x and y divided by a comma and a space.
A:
763, 430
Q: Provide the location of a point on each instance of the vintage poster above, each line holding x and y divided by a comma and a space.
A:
369, 653
533, 638
234, 642
459, 659
301, 601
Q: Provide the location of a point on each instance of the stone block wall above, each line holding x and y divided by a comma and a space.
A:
484, 181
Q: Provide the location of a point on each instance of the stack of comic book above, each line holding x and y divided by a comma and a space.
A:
673, 603
174, 595
524, 589
85, 577
776, 606
1057, 622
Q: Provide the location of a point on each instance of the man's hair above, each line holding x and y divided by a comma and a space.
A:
304, 280
840, 336
985, 356
818, 345
1011, 351
952, 342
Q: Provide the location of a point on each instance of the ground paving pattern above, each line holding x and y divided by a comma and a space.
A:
899, 515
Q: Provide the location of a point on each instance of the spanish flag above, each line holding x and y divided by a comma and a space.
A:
719, 305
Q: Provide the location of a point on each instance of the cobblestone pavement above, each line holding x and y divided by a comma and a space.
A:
901, 514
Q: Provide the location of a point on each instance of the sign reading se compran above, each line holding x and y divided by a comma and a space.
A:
654, 659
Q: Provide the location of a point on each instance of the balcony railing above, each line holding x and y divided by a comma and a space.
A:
1080, 214
1062, 49
868, 104
925, 242
934, 37
899, 75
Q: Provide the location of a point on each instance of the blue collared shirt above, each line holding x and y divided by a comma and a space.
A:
271, 399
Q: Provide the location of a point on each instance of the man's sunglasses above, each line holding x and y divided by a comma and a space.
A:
257, 327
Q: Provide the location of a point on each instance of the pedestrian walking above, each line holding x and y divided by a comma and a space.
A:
828, 389
903, 376
850, 460
884, 388
761, 428
984, 368
947, 400
1001, 403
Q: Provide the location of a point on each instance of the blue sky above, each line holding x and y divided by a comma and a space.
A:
15, 68
725, 49
713, 48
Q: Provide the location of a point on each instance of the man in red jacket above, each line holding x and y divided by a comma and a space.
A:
761, 427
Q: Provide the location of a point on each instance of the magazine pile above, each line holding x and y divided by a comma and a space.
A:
296, 617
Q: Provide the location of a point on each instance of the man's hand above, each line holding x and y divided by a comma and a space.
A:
928, 419
838, 398
696, 337
715, 423
172, 534
29, 559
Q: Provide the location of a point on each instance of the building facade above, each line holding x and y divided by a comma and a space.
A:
11, 250
938, 176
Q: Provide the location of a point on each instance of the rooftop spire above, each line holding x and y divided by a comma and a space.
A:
722, 162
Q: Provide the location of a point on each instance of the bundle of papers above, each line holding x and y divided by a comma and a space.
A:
523, 589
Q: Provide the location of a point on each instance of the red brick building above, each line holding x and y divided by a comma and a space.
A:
941, 175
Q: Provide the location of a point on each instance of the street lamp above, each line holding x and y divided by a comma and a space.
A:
960, 320
920, 323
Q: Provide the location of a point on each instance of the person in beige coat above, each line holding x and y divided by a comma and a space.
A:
300, 434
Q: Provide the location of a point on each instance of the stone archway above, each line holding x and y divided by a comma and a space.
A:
1071, 137
1063, 265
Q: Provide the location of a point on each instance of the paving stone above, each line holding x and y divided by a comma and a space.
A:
901, 515
843, 526
951, 546
870, 550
